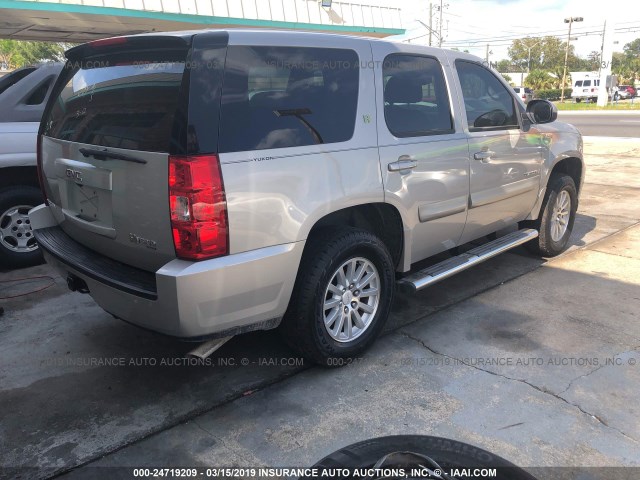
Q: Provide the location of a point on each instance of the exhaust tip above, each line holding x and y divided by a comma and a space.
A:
76, 284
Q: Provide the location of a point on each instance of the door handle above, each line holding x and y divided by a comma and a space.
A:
484, 156
404, 164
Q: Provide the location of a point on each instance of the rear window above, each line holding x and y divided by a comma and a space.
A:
586, 83
578, 83
276, 97
130, 105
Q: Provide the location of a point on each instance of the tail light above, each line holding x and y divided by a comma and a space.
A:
198, 207
41, 178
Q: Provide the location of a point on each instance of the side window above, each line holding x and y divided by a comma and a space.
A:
416, 102
488, 103
579, 83
39, 94
587, 83
276, 97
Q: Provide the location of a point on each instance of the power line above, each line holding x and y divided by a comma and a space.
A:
549, 33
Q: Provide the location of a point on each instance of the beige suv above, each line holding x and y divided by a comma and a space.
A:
205, 184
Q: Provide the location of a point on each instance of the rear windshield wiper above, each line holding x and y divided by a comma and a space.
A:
298, 112
105, 154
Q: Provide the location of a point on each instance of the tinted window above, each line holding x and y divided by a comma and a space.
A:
416, 102
130, 106
527, 90
586, 83
488, 103
578, 83
39, 94
275, 97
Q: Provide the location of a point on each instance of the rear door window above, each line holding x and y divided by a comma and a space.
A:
276, 97
587, 83
128, 105
416, 102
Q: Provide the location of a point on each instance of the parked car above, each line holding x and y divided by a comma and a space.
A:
631, 91
621, 92
525, 93
23, 96
273, 182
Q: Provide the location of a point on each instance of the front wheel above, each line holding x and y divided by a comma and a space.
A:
557, 217
342, 296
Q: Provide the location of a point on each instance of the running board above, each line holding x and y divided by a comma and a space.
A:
445, 269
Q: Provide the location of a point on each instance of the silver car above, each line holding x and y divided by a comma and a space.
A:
205, 184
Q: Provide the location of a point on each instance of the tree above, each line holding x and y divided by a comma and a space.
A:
506, 66
507, 78
593, 61
540, 80
632, 49
16, 54
541, 53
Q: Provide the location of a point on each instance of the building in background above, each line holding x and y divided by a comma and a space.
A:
77, 21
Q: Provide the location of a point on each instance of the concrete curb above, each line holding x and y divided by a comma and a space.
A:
611, 139
598, 112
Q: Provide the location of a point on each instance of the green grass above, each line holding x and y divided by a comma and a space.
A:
621, 105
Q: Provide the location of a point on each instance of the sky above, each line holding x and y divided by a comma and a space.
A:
471, 24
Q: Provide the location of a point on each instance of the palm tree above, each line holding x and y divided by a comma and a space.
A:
539, 80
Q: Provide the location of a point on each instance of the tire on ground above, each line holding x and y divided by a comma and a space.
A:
446, 453
544, 245
302, 327
12, 197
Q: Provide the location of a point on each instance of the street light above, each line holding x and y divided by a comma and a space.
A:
570, 21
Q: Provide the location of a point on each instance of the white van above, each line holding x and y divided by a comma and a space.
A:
585, 86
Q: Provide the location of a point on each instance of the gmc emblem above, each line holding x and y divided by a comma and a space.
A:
75, 175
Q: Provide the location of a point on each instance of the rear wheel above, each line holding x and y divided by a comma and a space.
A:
557, 217
18, 247
342, 296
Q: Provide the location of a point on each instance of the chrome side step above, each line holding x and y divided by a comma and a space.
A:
451, 266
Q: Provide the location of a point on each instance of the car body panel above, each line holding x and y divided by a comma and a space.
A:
276, 195
432, 197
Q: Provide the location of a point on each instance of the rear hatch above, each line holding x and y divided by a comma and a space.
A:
118, 111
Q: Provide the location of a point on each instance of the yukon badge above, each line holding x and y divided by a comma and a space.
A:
133, 238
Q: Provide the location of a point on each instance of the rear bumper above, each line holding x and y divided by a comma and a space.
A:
193, 300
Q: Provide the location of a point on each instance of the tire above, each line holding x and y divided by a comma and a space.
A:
549, 242
18, 248
446, 453
616, 97
303, 326
578, 100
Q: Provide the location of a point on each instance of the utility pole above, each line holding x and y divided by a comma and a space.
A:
430, 21
486, 57
605, 65
440, 25
570, 21
604, 30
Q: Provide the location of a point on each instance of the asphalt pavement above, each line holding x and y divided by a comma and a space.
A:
604, 123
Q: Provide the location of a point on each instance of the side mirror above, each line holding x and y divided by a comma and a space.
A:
542, 111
